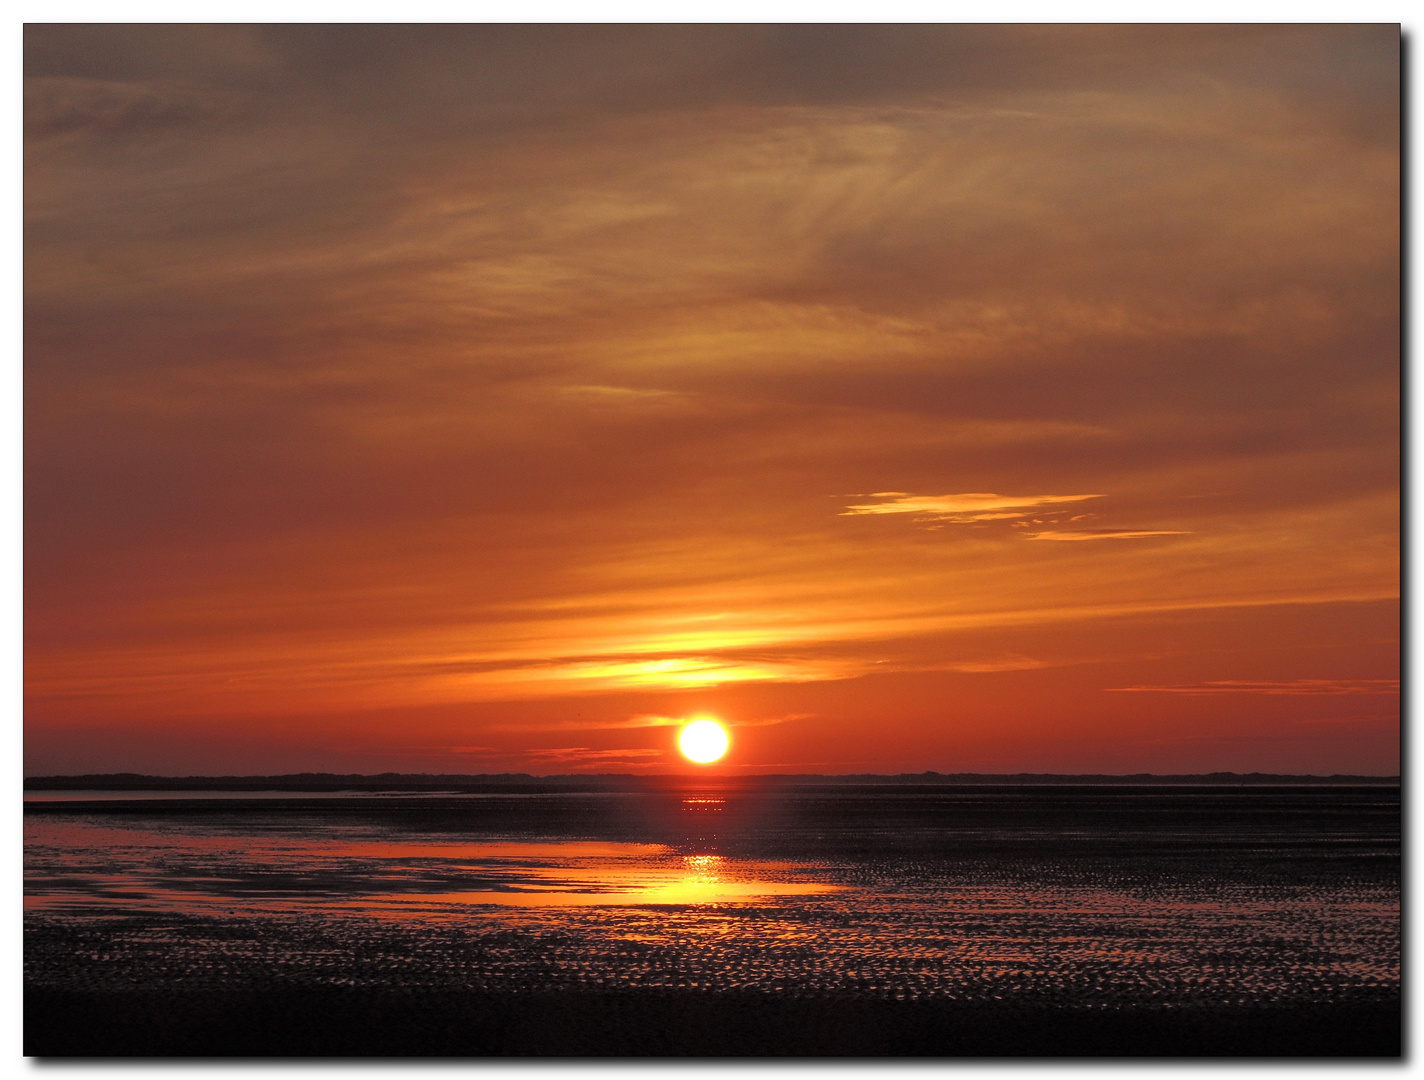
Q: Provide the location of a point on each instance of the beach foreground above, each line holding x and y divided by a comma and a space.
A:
755, 920
344, 1023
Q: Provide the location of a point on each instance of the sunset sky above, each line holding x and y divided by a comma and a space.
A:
482, 399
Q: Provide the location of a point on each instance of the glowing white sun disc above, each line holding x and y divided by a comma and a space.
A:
703, 741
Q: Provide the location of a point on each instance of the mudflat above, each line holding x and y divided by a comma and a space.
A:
1012, 920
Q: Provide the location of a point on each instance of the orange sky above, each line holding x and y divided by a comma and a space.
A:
484, 399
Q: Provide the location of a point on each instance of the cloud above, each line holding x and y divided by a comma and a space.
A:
663, 670
645, 722
582, 755
558, 756
1308, 687
1007, 663
971, 506
678, 721
623, 397
65, 106
980, 507
1104, 534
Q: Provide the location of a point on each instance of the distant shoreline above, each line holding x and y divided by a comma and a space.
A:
456, 782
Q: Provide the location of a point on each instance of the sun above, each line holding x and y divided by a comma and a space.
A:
703, 741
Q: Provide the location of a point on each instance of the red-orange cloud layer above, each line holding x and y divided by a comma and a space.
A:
483, 398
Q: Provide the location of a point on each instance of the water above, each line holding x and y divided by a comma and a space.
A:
1093, 897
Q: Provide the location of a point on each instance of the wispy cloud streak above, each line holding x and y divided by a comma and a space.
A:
977, 507
1290, 687
1103, 534
971, 506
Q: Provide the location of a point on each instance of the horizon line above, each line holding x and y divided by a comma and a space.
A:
705, 776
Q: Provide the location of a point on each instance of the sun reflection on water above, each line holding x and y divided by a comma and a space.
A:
72, 864
115, 901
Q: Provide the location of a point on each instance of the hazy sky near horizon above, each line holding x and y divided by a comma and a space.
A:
489, 398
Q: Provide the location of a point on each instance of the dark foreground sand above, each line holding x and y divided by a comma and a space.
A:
1148, 922
337, 1022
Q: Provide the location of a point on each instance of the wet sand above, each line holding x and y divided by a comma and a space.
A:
351, 1022
1141, 922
